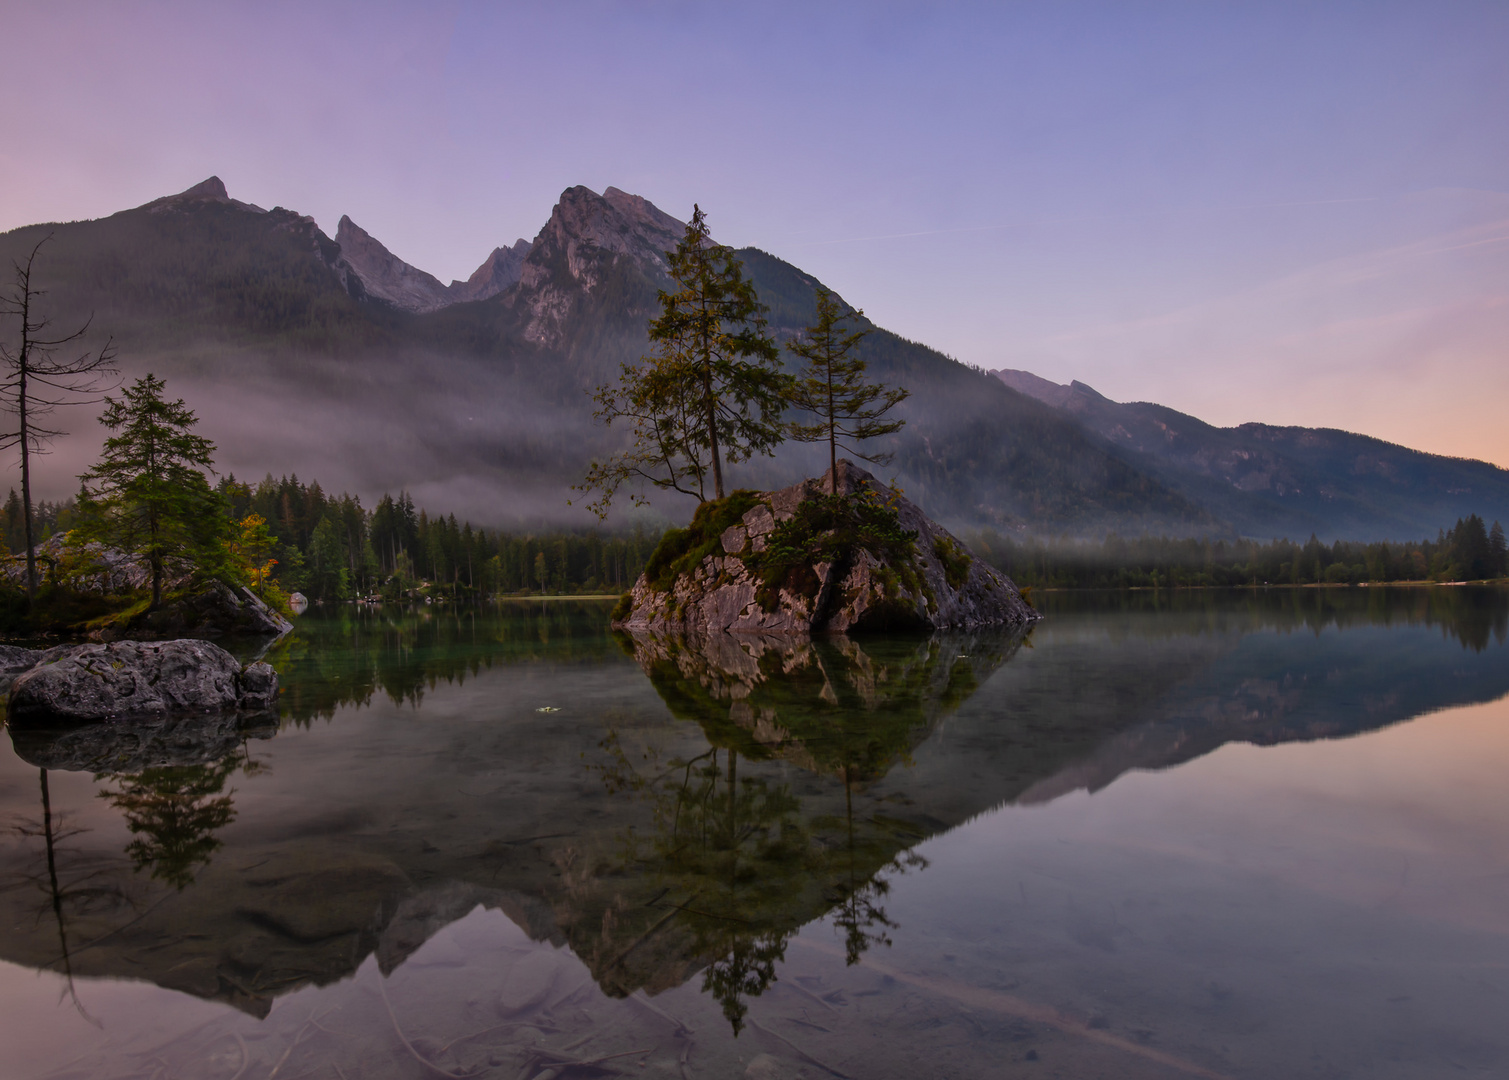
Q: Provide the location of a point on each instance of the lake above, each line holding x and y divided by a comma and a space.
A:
1196, 834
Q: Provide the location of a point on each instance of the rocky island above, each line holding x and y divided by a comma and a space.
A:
817, 558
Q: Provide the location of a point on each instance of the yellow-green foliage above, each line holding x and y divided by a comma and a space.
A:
955, 560
681, 551
831, 528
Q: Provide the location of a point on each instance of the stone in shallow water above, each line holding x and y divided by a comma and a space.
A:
126, 679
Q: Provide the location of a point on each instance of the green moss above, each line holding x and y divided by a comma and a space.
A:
681, 551
621, 609
59, 609
955, 560
828, 528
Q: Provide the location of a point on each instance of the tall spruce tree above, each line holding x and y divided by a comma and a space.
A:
712, 389
832, 385
148, 495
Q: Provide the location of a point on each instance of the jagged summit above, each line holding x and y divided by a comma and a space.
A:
589, 237
211, 190
583, 221
498, 271
385, 275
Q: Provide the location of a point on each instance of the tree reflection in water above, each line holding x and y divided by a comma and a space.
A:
174, 812
60, 891
740, 862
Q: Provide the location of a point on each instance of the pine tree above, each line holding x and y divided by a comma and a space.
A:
832, 386
712, 390
1498, 550
147, 495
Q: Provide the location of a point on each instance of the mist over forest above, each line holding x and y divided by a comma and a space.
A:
300, 359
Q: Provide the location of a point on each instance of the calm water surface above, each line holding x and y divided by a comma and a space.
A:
1204, 835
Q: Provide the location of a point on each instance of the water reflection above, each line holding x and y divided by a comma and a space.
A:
837, 706
688, 807
355, 654
175, 814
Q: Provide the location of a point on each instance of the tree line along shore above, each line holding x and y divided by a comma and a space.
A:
148, 523
331, 548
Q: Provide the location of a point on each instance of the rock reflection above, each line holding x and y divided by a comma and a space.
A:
738, 863
688, 807
831, 706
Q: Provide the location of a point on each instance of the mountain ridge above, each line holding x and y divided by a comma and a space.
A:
299, 353
1327, 481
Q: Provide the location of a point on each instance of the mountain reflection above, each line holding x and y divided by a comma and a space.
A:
682, 807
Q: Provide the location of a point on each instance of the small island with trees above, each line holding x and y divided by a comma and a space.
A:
155, 545
838, 555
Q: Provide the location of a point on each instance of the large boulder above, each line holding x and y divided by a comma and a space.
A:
217, 610
137, 679
934, 583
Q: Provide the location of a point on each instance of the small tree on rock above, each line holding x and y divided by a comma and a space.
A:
148, 495
711, 391
832, 385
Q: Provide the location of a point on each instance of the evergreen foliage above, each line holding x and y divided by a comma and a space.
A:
711, 391
331, 548
148, 495
1463, 553
832, 386
832, 529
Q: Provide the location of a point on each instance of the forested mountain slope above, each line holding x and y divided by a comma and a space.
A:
304, 354
1285, 481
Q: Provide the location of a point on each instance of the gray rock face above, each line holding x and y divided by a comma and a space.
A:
132, 679
215, 611
385, 275
952, 589
499, 271
15, 660
92, 567
586, 233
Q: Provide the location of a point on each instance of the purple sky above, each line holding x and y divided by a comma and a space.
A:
1296, 213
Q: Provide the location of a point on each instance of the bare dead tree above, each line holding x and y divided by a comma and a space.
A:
36, 380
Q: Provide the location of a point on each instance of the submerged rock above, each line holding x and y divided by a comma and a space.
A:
112, 747
133, 679
931, 582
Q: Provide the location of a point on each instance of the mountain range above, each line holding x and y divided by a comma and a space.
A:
334, 358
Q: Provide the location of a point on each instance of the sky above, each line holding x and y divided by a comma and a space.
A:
1288, 213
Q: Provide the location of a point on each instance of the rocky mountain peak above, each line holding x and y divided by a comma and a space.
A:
584, 222
206, 191
386, 276
586, 235
211, 190
499, 271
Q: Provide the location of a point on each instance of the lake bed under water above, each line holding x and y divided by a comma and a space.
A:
1247, 834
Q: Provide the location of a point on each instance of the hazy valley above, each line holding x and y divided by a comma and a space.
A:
333, 358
